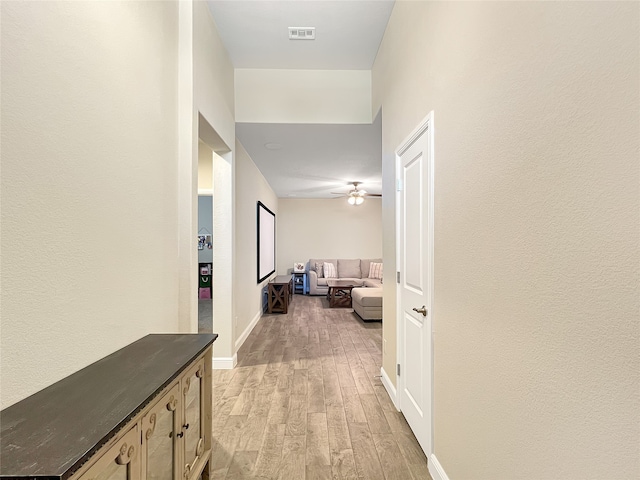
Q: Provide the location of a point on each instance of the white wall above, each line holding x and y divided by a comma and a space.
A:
213, 75
213, 103
537, 200
89, 196
205, 168
327, 228
223, 254
251, 187
303, 96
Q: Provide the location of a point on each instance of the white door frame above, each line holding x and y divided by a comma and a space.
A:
425, 125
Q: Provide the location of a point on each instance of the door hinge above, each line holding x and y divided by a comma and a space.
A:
397, 277
398, 369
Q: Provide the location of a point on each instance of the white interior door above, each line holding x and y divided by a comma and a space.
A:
415, 264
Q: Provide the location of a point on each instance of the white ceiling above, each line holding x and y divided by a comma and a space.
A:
314, 160
348, 32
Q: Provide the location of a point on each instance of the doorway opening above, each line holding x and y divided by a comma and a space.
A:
205, 238
212, 182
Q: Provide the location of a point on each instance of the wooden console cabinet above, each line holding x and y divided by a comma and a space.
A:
143, 412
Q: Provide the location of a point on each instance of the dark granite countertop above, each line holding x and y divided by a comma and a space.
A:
50, 434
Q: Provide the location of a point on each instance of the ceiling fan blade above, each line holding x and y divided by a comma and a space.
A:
374, 194
338, 193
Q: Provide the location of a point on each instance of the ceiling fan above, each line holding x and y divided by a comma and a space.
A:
356, 196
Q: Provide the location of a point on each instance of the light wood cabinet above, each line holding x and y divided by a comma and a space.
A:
143, 413
175, 432
195, 434
159, 442
119, 462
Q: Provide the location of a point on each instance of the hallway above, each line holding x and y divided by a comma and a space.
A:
304, 403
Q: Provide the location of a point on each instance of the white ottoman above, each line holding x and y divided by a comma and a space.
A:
367, 302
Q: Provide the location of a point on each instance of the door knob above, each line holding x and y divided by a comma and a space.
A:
422, 310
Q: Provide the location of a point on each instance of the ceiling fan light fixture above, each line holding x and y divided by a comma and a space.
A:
356, 196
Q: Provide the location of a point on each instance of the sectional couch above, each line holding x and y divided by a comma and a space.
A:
355, 270
366, 302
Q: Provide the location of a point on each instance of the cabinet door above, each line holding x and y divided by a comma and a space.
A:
120, 462
193, 422
159, 428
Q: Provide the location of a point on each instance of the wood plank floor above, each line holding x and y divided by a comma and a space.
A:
304, 403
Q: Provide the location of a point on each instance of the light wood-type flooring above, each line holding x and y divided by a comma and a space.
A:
305, 402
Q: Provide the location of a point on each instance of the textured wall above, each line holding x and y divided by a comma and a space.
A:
250, 187
327, 228
223, 254
537, 195
89, 201
212, 76
213, 101
205, 168
303, 96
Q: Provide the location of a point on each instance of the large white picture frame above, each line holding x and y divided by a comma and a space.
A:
266, 242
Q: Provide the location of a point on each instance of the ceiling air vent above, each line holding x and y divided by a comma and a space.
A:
302, 33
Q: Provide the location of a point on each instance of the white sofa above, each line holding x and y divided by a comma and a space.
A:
355, 270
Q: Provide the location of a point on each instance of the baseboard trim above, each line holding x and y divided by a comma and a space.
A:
248, 330
225, 363
435, 469
391, 390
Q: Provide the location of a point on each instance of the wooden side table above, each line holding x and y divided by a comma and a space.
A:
280, 293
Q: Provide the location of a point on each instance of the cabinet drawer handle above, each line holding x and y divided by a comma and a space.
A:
186, 427
180, 435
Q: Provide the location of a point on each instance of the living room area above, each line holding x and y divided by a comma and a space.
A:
307, 230
322, 182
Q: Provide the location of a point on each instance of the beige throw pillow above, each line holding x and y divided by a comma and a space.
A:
319, 269
329, 270
375, 270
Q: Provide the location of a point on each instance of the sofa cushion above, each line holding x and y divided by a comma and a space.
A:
375, 270
367, 297
365, 265
330, 270
322, 281
372, 282
349, 268
313, 261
